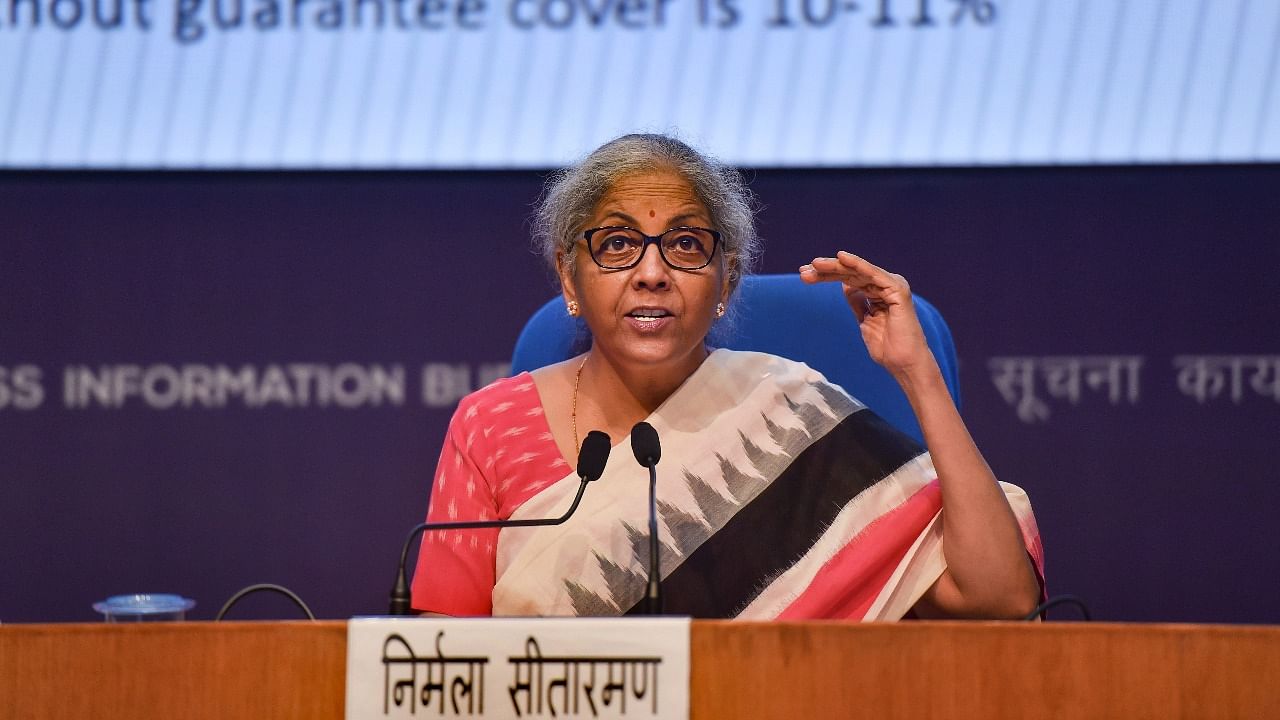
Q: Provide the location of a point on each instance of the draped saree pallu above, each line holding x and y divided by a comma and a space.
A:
779, 496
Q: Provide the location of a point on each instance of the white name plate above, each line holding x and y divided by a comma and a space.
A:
517, 667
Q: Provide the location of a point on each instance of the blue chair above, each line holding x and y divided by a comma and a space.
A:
777, 314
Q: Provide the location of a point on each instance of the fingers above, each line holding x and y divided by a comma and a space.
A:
828, 269
868, 288
863, 305
847, 262
860, 303
853, 271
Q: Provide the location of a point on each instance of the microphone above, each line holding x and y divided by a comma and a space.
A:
647, 449
591, 461
645, 445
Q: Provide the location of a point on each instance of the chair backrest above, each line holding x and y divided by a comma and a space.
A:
782, 315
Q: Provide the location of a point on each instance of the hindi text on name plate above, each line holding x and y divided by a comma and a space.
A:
517, 668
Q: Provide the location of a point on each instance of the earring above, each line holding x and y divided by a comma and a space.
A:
719, 310
572, 308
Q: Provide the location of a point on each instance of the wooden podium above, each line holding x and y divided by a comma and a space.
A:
266, 670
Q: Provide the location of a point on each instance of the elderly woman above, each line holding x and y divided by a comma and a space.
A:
780, 495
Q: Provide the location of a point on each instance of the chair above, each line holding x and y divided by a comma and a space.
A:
782, 315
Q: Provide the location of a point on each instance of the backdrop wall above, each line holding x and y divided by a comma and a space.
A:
436, 84
209, 380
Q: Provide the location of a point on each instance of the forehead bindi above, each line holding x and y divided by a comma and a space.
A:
659, 196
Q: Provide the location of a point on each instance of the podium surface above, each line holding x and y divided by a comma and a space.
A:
269, 670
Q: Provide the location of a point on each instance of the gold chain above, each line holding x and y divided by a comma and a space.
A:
573, 414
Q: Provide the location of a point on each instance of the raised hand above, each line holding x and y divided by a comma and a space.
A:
886, 314
988, 573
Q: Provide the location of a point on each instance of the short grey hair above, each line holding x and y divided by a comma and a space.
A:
571, 195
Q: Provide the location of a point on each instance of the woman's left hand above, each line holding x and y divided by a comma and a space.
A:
886, 314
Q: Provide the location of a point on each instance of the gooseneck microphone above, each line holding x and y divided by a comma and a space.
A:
591, 461
647, 449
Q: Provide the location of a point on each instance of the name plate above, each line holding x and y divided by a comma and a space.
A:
517, 667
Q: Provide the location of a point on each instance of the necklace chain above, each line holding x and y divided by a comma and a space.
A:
573, 413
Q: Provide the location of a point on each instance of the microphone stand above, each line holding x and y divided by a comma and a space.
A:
400, 597
653, 591
648, 450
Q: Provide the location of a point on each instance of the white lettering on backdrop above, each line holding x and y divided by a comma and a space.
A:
195, 386
1065, 377
1208, 377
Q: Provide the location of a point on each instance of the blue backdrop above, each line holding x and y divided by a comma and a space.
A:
209, 380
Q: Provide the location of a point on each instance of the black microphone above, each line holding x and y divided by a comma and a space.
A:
647, 449
591, 460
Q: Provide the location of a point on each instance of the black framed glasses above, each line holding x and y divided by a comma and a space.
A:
683, 248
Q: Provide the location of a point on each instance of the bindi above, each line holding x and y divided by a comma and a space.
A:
652, 213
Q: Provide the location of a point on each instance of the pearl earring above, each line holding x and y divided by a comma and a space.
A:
719, 310
572, 308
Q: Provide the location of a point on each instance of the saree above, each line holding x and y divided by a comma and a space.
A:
779, 497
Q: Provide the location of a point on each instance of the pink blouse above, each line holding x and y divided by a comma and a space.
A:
498, 453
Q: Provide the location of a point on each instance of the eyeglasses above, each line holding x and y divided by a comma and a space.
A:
683, 248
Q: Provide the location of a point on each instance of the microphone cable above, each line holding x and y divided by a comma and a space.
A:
264, 587
1074, 600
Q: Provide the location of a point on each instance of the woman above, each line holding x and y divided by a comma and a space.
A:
781, 496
